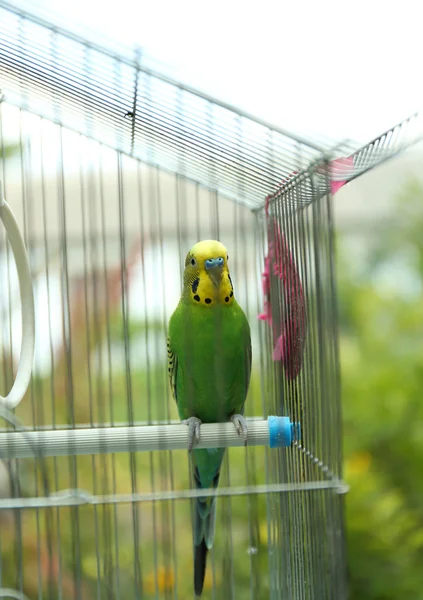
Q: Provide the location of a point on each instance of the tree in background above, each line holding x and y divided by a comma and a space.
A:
381, 315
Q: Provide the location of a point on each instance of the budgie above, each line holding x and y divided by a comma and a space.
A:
209, 367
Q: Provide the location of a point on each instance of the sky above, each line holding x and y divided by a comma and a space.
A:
331, 68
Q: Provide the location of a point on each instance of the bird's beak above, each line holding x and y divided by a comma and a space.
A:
214, 268
215, 275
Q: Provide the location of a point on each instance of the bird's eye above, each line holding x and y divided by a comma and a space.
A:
193, 262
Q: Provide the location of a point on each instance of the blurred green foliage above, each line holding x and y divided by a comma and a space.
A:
381, 314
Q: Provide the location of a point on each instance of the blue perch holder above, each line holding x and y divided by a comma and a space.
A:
282, 432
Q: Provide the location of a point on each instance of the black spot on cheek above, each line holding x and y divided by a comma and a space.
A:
230, 281
227, 299
231, 294
197, 297
195, 285
207, 300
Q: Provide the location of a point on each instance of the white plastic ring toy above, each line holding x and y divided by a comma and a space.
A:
26, 360
9, 593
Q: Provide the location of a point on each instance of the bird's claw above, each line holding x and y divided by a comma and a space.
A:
194, 431
241, 426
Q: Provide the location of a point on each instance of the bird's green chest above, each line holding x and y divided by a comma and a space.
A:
211, 350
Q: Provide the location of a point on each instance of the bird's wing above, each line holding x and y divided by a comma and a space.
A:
248, 363
172, 364
237, 385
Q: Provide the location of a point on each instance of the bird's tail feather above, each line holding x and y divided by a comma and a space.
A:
205, 521
200, 561
204, 530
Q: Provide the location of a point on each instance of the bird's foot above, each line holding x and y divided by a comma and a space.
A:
194, 431
240, 426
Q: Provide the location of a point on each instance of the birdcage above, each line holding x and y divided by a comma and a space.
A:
111, 172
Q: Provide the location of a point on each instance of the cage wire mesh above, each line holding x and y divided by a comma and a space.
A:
113, 173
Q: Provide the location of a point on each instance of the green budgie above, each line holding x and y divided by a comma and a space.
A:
209, 364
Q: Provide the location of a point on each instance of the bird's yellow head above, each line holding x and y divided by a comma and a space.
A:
206, 277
